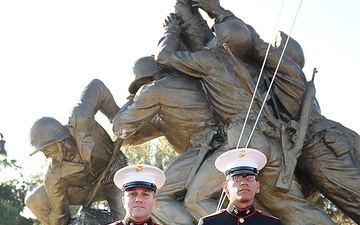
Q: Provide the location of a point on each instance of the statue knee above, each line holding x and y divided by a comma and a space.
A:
190, 201
30, 201
37, 198
198, 208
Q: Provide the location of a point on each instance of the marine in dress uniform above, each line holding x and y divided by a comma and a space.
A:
240, 166
128, 221
233, 215
128, 179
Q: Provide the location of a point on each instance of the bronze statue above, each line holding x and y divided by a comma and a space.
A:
202, 65
196, 91
81, 153
173, 114
174, 106
230, 99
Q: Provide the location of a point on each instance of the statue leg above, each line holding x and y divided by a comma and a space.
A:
113, 196
333, 171
39, 204
291, 206
204, 191
170, 211
169, 208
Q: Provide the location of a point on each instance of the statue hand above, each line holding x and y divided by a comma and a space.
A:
183, 10
207, 5
172, 21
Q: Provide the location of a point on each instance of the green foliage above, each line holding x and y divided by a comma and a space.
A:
156, 152
335, 214
10, 215
12, 194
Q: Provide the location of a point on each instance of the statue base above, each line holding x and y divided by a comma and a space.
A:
91, 216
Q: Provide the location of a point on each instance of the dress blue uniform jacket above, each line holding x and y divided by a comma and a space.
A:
235, 216
128, 221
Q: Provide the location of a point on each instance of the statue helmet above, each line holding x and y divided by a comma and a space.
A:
293, 48
144, 69
235, 34
45, 132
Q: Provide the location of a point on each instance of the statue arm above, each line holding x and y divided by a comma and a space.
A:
143, 108
170, 42
96, 96
195, 31
215, 10
170, 58
147, 132
130, 99
259, 48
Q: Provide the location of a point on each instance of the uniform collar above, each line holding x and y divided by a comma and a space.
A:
128, 221
242, 213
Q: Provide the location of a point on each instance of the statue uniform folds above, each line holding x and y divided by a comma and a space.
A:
175, 106
80, 152
234, 215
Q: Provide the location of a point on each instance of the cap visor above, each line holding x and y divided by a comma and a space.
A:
242, 170
143, 184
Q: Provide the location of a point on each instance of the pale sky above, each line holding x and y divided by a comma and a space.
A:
50, 50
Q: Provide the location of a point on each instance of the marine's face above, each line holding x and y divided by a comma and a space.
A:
139, 203
241, 192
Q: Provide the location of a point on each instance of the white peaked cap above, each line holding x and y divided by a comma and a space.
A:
241, 161
140, 175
